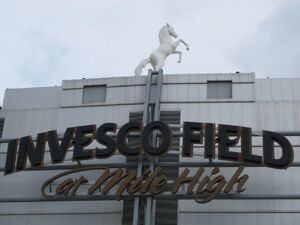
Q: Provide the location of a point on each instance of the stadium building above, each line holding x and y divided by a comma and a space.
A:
269, 195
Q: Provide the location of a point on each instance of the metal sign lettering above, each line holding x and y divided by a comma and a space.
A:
150, 181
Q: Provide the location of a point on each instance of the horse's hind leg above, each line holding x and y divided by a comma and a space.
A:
157, 62
158, 66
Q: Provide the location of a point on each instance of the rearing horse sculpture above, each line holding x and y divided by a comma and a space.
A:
167, 46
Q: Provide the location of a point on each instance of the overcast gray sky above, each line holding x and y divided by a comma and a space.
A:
44, 42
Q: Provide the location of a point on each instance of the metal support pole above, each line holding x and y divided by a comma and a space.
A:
149, 202
136, 209
148, 215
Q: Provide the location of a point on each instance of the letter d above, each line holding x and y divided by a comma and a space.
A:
287, 150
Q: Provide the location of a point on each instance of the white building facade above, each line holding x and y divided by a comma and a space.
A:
237, 99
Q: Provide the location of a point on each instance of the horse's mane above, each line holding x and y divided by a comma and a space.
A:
162, 30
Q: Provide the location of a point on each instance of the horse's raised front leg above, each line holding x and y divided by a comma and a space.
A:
183, 42
179, 53
186, 45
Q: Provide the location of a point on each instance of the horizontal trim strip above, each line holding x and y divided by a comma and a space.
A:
164, 196
58, 213
238, 212
186, 212
133, 165
144, 84
142, 103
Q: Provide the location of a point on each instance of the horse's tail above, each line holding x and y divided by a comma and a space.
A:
139, 68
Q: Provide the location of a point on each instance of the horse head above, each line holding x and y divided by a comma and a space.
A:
171, 31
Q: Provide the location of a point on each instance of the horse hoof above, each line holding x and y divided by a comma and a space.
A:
179, 61
187, 49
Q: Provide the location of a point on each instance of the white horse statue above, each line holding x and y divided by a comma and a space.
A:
166, 47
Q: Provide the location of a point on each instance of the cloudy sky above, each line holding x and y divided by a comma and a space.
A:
44, 42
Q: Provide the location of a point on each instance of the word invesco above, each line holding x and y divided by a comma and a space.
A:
193, 133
